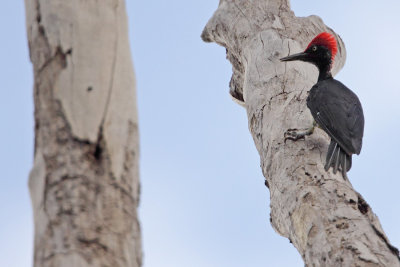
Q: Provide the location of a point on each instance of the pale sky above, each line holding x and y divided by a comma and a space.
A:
203, 199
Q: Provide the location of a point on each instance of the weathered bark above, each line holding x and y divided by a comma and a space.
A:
322, 215
84, 183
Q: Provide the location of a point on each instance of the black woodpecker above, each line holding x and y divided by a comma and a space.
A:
335, 108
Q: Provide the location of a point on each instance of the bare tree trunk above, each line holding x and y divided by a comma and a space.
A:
322, 215
84, 183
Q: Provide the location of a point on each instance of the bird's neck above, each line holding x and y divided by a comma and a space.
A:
324, 73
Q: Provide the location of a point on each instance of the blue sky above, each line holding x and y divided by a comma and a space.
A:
203, 200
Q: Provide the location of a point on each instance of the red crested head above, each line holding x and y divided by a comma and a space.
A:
321, 52
325, 39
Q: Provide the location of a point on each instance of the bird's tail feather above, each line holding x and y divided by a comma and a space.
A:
338, 159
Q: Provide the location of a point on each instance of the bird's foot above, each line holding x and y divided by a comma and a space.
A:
293, 134
296, 134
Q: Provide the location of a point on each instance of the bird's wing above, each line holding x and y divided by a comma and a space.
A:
338, 111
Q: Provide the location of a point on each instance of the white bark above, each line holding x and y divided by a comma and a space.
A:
84, 183
322, 215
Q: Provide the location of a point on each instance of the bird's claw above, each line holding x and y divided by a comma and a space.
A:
293, 134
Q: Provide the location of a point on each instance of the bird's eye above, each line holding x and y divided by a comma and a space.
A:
314, 48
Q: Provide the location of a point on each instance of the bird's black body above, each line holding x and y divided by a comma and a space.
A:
337, 110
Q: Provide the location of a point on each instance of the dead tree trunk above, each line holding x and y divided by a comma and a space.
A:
84, 183
328, 222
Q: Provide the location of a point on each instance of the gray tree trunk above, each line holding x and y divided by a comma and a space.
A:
84, 183
328, 222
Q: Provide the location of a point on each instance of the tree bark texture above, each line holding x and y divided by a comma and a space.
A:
328, 222
84, 183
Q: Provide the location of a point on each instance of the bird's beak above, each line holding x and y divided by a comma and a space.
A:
300, 56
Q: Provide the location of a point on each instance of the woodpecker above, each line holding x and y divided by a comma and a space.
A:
334, 107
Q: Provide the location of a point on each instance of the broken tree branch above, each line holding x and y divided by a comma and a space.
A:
328, 222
